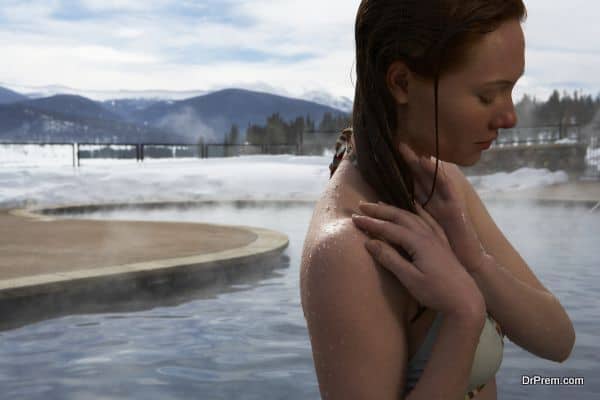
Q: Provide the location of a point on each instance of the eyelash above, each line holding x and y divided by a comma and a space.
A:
486, 101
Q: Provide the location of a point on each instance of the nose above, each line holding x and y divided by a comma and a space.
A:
505, 119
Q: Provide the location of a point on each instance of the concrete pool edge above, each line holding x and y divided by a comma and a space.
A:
267, 245
268, 242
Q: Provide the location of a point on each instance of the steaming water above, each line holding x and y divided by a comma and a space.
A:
252, 343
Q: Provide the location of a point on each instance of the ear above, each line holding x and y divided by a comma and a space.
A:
397, 81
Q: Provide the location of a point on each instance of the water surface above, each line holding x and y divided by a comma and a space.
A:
250, 341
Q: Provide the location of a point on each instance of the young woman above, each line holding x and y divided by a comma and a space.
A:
413, 297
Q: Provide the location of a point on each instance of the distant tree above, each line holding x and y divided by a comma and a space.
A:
255, 134
200, 144
296, 132
233, 136
276, 130
526, 111
550, 113
343, 121
334, 124
327, 123
310, 124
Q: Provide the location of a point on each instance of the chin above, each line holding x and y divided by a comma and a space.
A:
472, 161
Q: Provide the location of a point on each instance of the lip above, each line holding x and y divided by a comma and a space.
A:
488, 141
485, 145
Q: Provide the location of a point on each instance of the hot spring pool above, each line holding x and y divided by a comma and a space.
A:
250, 341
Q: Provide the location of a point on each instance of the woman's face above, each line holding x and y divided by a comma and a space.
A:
474, 101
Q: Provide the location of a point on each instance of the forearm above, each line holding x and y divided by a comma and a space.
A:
532, 318
448, 369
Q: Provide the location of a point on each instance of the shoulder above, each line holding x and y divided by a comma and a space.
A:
458, 179
355, 316
336, 267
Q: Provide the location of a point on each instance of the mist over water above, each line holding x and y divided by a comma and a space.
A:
250, 340
187, 123
247, 339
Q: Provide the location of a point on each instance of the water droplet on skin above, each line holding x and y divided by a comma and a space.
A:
333, 227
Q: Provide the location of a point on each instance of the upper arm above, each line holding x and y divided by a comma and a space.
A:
355, 315
491, 237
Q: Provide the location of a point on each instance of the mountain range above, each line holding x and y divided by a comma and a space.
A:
72, 117
8, 96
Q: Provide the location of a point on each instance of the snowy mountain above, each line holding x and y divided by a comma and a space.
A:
23, 123
213, 114
8, 96
68, 117
341, 103
34, 92
73, 105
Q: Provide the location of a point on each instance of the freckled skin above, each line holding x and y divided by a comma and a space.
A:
463, 118
463, 121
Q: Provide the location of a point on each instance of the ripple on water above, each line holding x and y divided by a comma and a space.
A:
253, 343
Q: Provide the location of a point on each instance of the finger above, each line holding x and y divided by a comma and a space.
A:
388, 257
427, 218
386, 212
432, 223
427, 163
442, 181
406, 237
407, 151
422, 166
421, 193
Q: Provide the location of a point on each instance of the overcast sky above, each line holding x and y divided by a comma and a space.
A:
284, 46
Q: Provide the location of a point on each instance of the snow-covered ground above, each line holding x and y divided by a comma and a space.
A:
53, 181
592, 157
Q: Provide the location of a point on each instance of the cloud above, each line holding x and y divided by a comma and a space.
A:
291, 46
122, 5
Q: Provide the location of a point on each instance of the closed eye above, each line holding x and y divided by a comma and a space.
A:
485, 100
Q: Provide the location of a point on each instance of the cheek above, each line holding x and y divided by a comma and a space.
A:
464, 121
456, 134
451, 128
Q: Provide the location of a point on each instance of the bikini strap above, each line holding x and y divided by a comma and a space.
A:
343, 149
